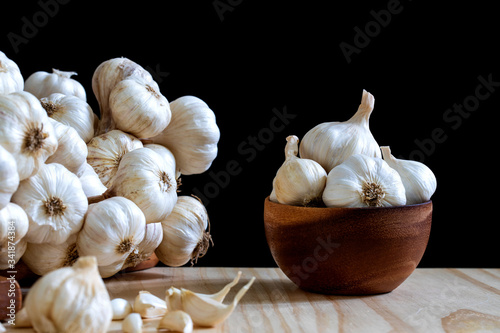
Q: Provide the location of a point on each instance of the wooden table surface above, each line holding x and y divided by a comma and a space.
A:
430, 300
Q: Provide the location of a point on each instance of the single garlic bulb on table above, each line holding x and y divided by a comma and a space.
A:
299, 181
364, 181
42, 84
419, 181
332, 143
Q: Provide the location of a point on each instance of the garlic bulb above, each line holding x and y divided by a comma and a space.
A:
13, 228
55, 203
146, 179
72, 111
70, 299
42, 84
166, 154
91, 184
26, 132
11, 79
419, 181
332, 143
153, 236
113, 228
299, 181
9, 178
178, 321
149, 305
184, 235
138, 107
106, 151
364, 181
192, 135
106, 76
47, 257
71, 149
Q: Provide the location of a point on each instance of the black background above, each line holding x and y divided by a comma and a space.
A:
247, 58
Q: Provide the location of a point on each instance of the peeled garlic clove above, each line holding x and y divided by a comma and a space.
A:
419, 181
152, 239
9, 178
206, 311
149, 305
184, 235
178, 321
299, 181
332, 143
55, 203
11, 79
121, 308
363, 181
132, 323
192, 135
71, 299
71, 111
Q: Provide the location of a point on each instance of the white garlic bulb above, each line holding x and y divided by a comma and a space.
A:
153, 236
166, 154
419, 181
184, 235
70, 299
332, 143
71, 149
106, 151
42, 84
364, 181
11, 79
72, 111
192, 135
144, 177
47, 257
299, 181
13, 228
9, 178
113, 229
55, 203
91, 184
26, 132
138, 107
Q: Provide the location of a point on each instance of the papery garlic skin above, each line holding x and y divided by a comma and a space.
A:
11, 79
26, 132
106, 151
153, 236
184, 235
166, 154
91, 183
55, 203
149, 305
192, 135
113, 228
47, 257
332, 143
299, 181
13, 228
178, 321
71, 111
42, 84
9, 178
418, 179
364, 181
71, 299
146, 179
138, 107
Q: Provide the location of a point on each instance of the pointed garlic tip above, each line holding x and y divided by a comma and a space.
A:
63, 73
292, 146
132, 323
386, 153
365, 109
121, 308
219, 297
178, 321
149, 305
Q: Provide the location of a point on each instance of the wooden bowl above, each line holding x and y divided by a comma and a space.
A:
347, 251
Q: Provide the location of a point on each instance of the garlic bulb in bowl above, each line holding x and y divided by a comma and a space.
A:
332, 143
419, 181
364, 181
299, 181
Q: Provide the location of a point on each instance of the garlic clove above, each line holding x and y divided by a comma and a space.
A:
121, 308
132, 323
149, 305
178, 321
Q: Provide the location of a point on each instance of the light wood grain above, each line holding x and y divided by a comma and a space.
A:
430, 300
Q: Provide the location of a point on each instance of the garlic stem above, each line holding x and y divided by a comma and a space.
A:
362, 116
292, 146
63, 73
